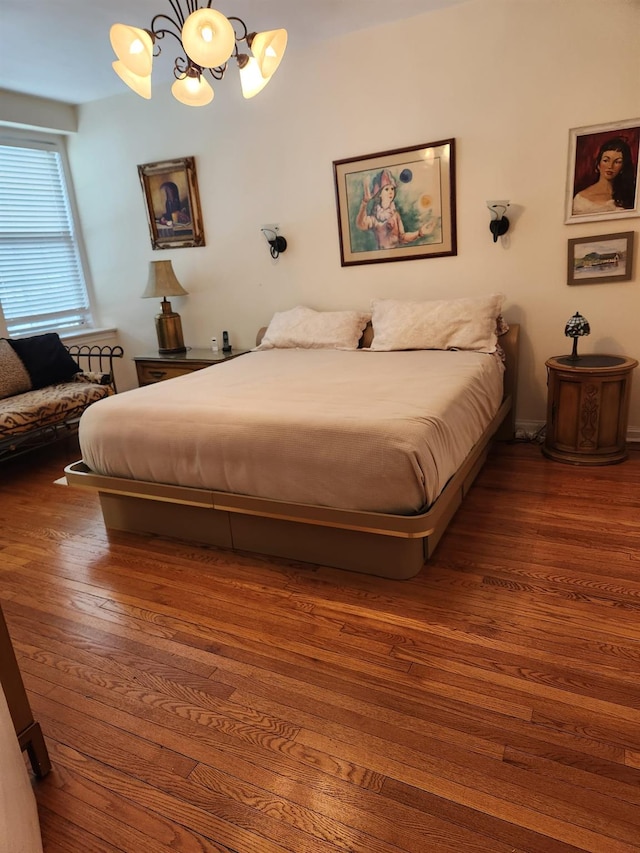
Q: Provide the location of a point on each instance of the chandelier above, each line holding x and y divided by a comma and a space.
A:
208, 41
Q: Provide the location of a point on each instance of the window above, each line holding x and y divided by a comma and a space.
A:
42, 280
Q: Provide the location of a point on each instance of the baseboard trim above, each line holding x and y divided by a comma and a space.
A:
633, 436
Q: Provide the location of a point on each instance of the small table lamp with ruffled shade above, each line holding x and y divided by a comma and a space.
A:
576, 328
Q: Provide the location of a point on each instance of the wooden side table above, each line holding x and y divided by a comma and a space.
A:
587, 408
28, 731
155, 367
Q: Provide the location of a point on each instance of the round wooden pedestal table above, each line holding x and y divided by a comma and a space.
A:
587, 408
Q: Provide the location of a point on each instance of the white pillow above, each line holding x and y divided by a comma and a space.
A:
308, 329
468, 324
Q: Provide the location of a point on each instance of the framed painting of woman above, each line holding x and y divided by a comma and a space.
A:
603, 179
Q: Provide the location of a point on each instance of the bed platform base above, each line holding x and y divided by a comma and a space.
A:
392, 546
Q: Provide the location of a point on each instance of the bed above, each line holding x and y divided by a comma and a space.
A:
346, 439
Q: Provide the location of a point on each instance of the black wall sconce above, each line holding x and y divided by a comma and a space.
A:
277, 244
499, 224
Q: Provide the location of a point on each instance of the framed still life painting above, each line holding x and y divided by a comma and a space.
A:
603, 172
397, 205
172, 202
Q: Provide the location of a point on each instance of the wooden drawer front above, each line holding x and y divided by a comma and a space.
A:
590, 416
150, 371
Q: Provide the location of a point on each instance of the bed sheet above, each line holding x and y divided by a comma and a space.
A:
371, 431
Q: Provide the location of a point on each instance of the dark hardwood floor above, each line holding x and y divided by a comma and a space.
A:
199, 700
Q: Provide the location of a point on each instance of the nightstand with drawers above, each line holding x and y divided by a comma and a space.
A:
156, 367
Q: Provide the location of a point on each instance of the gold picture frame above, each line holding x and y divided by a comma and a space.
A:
172, 201
397, 205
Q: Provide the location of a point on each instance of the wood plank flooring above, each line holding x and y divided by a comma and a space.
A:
201, 701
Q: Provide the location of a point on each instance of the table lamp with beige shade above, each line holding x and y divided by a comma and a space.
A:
162, 283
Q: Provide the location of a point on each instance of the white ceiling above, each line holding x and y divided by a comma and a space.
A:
60, 49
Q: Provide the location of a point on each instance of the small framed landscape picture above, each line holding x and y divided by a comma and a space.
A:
172, 203
601, 259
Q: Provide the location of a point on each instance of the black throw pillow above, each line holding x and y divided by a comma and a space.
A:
45, 358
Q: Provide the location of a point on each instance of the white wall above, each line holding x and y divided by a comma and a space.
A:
506, 78
27, 111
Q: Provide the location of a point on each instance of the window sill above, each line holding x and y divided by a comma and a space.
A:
90, 335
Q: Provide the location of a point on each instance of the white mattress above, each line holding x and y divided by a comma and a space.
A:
374, 431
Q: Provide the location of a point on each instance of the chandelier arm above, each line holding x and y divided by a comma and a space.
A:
162, 32
182, 65
244, 29
176, 5
217, 73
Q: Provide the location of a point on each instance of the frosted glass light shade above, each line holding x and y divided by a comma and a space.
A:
140, 85
162, 281
268, 49
133, 47
251, 80
208, 38
193, 91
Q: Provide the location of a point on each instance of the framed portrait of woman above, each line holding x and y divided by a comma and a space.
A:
603, 178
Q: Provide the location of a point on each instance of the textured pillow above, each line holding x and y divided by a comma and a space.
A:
14, 378
45, 359
468, 324
308, 329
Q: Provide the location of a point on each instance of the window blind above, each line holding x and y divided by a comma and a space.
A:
42, 284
